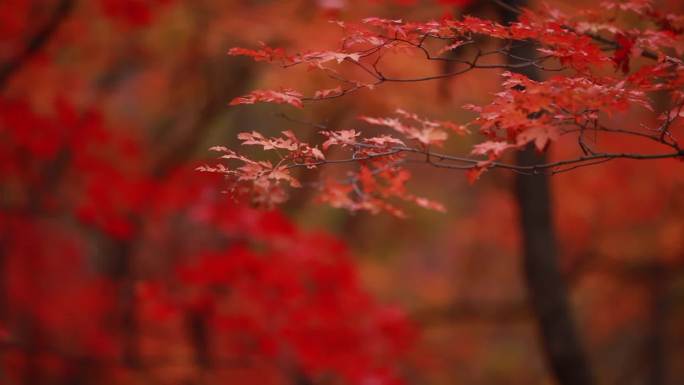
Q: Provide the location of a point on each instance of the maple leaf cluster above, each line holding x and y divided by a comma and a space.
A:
540, 112
379, 177
579, 98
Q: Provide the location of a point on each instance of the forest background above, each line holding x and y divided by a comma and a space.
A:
121, 264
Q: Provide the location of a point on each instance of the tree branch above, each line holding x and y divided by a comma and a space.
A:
550, 168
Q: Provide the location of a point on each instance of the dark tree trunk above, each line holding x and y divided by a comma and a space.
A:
200, 337
547, 289
546, 286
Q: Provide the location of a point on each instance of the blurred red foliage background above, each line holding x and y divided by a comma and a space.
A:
120, 264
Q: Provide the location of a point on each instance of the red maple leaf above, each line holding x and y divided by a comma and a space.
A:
286, 96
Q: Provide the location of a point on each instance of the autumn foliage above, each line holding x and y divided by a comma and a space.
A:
159, 225
574, 104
